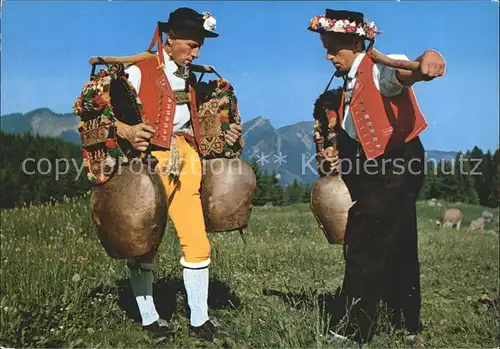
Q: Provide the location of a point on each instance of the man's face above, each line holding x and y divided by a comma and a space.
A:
340, 51
186, 48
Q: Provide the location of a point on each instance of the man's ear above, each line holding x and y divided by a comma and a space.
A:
169, 38
358, 45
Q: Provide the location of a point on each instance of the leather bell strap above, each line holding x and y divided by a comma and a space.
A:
156, 40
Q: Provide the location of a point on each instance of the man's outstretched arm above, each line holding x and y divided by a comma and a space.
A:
432, 65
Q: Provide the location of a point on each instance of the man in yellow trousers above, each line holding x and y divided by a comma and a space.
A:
163, 85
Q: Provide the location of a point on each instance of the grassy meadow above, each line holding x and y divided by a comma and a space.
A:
60, 289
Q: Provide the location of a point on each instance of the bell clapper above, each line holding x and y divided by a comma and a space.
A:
242, 237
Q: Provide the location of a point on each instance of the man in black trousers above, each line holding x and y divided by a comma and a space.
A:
381, 159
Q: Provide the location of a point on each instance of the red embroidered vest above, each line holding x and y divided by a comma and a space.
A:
382, 122
159, 103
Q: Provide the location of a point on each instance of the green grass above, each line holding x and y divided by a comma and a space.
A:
60, 289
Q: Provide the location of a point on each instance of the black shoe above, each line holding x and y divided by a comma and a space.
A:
205, 331
159, 329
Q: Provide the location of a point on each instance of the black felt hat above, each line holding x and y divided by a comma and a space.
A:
188, 20
352, 16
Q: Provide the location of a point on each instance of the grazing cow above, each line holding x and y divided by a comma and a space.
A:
452, 217
477, 224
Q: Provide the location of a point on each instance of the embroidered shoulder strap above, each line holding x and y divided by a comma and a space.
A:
326, 118
106, 99
217, 109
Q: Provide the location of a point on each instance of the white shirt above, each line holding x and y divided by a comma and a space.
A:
385, 80
182, 115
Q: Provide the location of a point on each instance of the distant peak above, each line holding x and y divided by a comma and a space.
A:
41, 110
256, 119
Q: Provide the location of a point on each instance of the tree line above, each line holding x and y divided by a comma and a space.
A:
269, 190
37, 169
472, 177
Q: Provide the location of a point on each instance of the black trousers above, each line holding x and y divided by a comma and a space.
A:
381, 244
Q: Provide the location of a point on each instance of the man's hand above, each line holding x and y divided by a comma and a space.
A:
138, 135
332, 157
233, 134
432, 65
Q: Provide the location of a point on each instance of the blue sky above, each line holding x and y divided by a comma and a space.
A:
278, 68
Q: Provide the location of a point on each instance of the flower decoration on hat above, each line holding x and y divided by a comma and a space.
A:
322, 24
210, 21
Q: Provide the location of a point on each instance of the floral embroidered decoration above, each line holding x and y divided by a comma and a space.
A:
100, 150
325, 115
321, 24
216, 111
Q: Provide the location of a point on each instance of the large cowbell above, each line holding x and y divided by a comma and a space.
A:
128, 202
330, 199
228, 181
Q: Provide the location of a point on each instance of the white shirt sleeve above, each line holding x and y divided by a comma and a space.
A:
134, 76
385, 77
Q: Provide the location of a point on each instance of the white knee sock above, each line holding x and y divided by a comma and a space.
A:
147, 309
196, 283
141, 278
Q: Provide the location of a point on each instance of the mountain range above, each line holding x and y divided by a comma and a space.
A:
288, 151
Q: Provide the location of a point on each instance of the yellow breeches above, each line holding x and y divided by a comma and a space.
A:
184, 201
